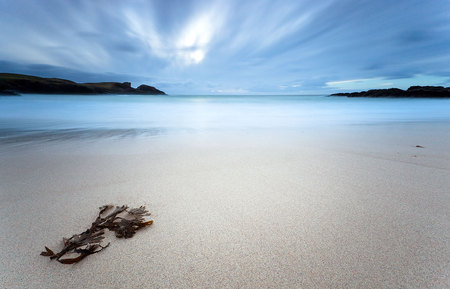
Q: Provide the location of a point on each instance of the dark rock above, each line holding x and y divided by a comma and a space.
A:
31, 84
8, 92
423, 91
413, 91
150, 89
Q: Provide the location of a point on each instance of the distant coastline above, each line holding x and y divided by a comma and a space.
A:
412, 92
15, 84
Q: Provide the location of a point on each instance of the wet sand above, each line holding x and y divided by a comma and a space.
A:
360, 208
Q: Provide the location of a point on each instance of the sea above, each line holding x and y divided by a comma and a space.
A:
57, 117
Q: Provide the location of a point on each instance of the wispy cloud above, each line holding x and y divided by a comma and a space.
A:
229, 91
377, 82
186, 46
269, 46
336, 83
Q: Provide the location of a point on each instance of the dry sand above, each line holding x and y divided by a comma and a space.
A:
362, 208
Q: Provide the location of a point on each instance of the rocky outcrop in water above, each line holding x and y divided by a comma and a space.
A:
413, 91
8, 93
19, 83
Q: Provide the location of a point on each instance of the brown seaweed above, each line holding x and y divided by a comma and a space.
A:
122, 221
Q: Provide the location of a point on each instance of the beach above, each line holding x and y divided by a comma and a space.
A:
225, 144
342, 207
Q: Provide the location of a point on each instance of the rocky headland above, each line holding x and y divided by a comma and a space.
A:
413, 92
13, 84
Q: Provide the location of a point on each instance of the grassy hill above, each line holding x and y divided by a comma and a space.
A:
11, 83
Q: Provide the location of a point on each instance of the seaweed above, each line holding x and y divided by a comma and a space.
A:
122, 221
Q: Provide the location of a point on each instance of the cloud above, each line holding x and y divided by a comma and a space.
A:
230, 91
252, 45
186, 46
377, 82
337, 83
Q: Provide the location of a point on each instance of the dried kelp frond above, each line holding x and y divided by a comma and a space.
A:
139, 212
84, 244
123, 221
126, 228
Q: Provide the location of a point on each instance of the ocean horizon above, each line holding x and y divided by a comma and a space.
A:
53, 117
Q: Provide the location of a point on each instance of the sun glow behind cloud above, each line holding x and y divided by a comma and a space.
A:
185, 46
194, 40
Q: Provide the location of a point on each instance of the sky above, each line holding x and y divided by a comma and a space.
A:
231, 46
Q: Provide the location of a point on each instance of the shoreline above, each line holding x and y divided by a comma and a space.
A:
336, 209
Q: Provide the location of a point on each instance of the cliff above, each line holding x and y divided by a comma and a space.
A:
413, 91
19, 83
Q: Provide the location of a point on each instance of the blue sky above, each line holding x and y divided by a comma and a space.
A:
231, 47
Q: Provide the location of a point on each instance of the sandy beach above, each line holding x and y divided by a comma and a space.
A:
276, 144
354, 208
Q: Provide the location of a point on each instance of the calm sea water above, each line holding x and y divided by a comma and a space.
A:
53, 116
